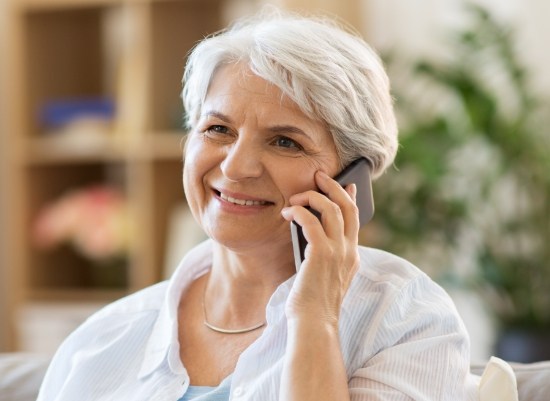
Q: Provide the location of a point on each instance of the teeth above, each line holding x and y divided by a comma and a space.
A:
241, 202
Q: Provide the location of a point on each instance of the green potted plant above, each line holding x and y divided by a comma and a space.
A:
470, 197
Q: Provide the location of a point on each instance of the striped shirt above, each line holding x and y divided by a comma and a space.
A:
400, 334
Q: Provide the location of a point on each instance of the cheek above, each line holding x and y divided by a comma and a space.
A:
193, 156
188, 173
192, 169
295, 181
186, 177
188, 184
195, 194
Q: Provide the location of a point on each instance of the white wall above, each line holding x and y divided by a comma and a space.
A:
420, 26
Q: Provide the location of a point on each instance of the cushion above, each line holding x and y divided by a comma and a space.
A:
533, 380
21, 375
498, 382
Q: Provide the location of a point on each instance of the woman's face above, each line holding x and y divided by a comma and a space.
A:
251, 150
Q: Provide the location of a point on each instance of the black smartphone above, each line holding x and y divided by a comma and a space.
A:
358, 172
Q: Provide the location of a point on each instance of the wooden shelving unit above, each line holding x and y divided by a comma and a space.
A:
132, 52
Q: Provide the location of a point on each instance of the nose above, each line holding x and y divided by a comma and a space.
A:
242, 160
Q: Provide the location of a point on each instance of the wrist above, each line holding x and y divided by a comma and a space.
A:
312, 315
311, 327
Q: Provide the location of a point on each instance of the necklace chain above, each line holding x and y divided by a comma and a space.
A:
227, 331
233, 331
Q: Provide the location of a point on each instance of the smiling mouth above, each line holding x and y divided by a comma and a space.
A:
241, 202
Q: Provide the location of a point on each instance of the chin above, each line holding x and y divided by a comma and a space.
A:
245, 239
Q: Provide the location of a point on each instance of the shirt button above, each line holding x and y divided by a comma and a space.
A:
238, 391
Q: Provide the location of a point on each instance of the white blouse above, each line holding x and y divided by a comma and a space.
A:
401, 339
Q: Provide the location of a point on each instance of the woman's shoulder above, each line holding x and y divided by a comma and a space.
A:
379, 266
399, 301
387, 279
149, 299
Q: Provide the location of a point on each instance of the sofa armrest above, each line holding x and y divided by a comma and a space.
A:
533, 380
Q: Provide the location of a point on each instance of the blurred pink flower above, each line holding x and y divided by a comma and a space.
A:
94, 220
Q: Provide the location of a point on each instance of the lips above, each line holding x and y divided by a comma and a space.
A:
239, 199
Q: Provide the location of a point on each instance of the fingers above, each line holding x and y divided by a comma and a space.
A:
344, 198
336, 205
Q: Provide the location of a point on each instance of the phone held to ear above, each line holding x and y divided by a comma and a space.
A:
358, 172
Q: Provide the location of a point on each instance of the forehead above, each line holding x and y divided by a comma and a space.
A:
236, 85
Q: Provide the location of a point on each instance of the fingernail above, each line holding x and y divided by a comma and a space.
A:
354, 191
285, 212
323, 174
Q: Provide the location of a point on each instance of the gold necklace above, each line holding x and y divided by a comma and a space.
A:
226, 331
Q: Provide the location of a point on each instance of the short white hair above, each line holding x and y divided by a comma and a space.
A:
330, 73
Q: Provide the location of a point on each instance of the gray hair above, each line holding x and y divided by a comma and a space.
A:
331, 74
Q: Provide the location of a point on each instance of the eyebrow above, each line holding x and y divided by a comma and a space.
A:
288, 129
276, 129
217, 115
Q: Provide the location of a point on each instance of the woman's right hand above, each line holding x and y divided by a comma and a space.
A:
331, 256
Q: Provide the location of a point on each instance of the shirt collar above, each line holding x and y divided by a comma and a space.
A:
163, 340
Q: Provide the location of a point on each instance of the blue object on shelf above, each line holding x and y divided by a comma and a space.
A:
56, 113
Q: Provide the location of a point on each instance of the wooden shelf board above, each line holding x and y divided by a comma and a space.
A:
37, 5
75, 295
46, 150
51, 150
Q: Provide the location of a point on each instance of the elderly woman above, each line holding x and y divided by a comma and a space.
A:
276, 106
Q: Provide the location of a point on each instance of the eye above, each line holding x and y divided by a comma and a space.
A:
285, 142
218, 133
217, 129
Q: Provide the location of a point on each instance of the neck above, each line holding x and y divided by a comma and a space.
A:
254, 267
237, 278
